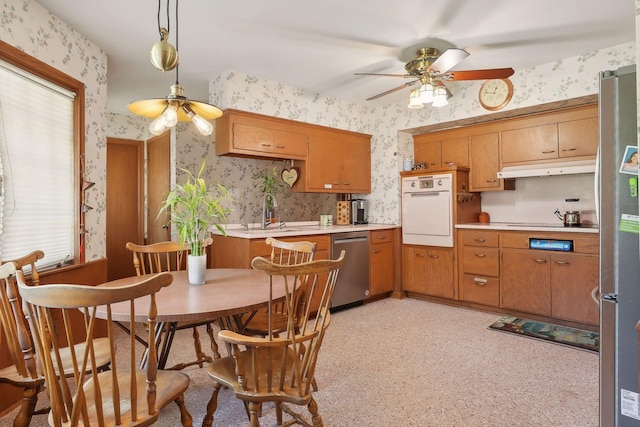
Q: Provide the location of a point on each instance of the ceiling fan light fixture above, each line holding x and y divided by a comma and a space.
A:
414, 99
426, 93
440, 97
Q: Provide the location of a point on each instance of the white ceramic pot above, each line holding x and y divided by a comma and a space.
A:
197, 269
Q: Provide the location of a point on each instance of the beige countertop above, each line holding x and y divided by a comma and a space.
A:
521, 226
296, 229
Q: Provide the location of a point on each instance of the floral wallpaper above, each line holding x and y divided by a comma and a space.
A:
28, 26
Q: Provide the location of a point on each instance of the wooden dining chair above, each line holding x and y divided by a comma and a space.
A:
122, 396
279, 369
23, 372
282, 253
172, 256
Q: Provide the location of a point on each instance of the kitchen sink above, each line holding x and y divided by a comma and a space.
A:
284, 229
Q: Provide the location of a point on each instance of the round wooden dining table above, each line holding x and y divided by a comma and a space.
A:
229, 295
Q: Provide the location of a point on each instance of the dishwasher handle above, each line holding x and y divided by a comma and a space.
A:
350, 240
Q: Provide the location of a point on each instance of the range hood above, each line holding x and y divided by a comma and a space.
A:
548, 169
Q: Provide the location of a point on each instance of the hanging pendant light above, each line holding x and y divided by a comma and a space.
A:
414, 99
440, 97
175, 107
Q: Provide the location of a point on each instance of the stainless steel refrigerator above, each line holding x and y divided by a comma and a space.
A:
617, 210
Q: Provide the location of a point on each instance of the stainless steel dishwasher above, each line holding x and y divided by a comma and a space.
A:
353, 279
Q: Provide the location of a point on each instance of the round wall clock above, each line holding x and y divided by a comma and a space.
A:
495, 94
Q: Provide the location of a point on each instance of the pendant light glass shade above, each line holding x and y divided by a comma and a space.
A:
426, 93
440, 97
414, 99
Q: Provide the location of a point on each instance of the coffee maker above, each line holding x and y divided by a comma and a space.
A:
359, 211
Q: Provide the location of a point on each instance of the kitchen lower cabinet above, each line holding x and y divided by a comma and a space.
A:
525, 280
428, 270
479, 267
381, 262
573, 278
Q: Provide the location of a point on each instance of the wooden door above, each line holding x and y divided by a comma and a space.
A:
356, 173
573, 277
325, 163
526, 281
428, 152
532, 143
125, 160
414, 269
484, 158
440, 273
158, 185
456, 151
382, 273
578, 137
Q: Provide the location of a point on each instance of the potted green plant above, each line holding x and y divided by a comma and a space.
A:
193, 207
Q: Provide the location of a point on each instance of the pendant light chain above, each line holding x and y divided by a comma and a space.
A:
177, 34
168, 20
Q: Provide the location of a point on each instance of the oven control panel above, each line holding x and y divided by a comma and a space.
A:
551, 245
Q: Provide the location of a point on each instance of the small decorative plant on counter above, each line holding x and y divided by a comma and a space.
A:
269, 182
193, 207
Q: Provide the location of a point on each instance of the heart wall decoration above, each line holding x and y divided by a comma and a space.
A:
290, 176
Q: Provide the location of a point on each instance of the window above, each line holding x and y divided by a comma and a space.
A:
40, 148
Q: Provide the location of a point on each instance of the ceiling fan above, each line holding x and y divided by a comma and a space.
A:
430, 68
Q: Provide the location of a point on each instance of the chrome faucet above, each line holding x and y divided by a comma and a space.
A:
265, 222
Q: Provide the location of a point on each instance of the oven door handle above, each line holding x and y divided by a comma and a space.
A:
430, 193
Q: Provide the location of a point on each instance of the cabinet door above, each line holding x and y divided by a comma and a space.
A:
578, 137
525, 280
414, 269
381, 263
428, 152
356, 172
532, 143
484, 161
456, 151
325, 163
573, 277
440, 273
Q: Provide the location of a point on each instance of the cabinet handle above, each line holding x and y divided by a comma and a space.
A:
434, 163
346, 183
280, 146
336, 183
491, 180
479, 240
382, 237
479, 255
549, 152
376, 251
264, 144
479, 281
562, 262
420, 255
540, 261
569, 149
434, 256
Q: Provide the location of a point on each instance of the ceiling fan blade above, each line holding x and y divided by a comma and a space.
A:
395, 89
493, 73
449, 59
385, 75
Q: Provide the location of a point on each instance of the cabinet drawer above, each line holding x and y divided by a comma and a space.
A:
381, 236
481, 238
480, 289
481, 260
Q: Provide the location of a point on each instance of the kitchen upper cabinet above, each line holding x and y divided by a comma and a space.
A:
338, 162
484, 154
428, 270
532, 143
255, 135
381, 262
570, 134
438, 150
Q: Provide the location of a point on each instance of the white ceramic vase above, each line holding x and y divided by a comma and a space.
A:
197, 269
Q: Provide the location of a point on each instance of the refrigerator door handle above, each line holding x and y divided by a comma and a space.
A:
596, 185
609, 298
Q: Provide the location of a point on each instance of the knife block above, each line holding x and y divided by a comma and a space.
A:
342, 213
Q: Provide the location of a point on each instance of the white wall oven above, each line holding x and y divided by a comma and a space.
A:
427, 210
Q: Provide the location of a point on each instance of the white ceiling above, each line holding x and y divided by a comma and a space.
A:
318, 45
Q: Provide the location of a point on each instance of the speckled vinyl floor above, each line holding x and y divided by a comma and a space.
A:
415, 363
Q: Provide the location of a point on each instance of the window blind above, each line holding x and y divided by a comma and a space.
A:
37, 157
